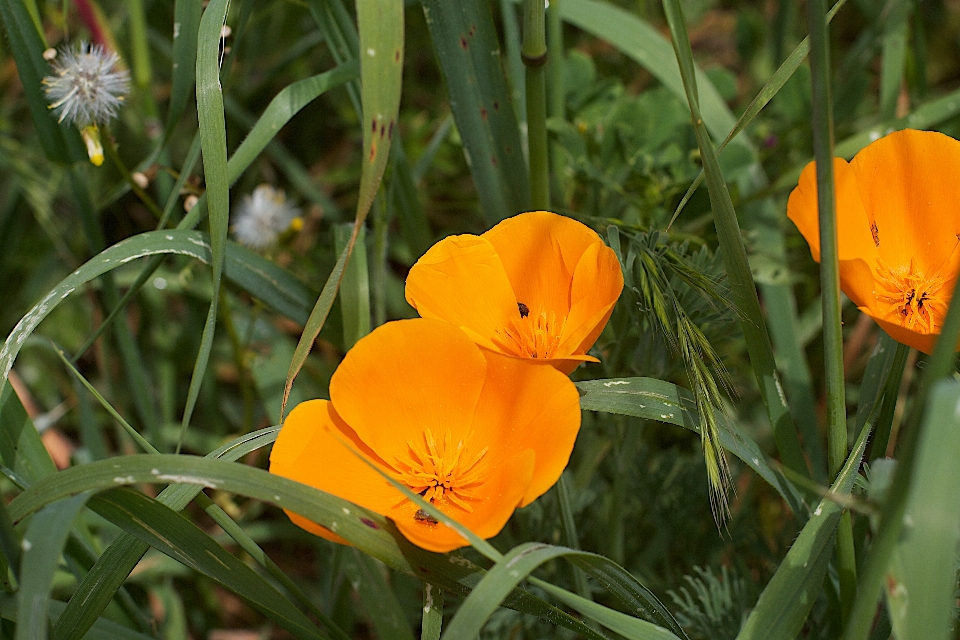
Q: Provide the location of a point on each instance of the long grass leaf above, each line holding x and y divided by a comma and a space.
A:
380, 26
739, 275
788, 597
653, 399
43, 543
465, 40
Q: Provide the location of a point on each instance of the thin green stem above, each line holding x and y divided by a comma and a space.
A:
941, 364
111, 151
830, 287
534, 54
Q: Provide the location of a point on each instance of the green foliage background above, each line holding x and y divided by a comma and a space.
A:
147, 349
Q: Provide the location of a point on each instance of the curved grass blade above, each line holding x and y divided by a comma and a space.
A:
377, 597
213, 142
432, 621
653, 399
21, 449
102, 629
371, 533
42, 544
509, 572
96, 589
282, 290
465, 40
380, 24
788, 597
171, 533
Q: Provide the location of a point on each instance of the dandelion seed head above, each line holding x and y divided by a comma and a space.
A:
263, 216
85, 88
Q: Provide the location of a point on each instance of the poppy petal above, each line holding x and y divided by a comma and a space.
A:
597, 283
854, 231
315, 447
540, 251
538, 408
406, 377
502, 491
461, 279
908, 180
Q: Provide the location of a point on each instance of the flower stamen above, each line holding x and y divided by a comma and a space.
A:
914, 299
438, 470
532, 335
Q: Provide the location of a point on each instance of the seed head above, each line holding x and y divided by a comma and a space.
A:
263, 216
85, 89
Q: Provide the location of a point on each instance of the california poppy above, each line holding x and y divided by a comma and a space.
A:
475, 433
537, 285
898, 229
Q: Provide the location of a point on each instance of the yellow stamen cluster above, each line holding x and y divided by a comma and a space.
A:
914, 298
531, 334
438, 469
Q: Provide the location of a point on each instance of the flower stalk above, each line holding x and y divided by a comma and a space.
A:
830, 287
534, 54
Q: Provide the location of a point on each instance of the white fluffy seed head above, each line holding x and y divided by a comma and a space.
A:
262, 217
85, 89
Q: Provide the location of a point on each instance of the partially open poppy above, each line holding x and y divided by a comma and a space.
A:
537, 285
475, 433
898, 230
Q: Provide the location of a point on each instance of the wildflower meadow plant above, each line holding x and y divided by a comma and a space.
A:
898, 230
475, 433
86, 90
631, 406
263, 217
537, 285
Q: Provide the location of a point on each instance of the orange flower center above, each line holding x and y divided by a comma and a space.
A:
438, 470
531, 335
914, 298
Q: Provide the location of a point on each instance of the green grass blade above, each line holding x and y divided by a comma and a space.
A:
783, 73
627, 626
355, 286
894, 57
281, 290
21, 449
465, 40
96, 589
380, 26
928, 550
371, 533
507, 573
102, 629
742, 286
653, 399
432, 621
213, 141
186, 26
61, 143
171, 533
377, 596
788, 597
42, 544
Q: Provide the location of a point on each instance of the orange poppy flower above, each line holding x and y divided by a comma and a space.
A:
537, 285
475, 433
898, 230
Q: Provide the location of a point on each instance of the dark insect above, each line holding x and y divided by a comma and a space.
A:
423, 516
524, 309
875, 232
